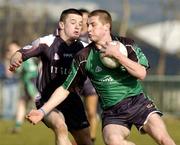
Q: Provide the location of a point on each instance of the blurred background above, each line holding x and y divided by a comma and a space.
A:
153, 24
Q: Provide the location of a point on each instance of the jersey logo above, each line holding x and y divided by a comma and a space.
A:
56, 56
98, 69
107, 78
54, 66
69, 55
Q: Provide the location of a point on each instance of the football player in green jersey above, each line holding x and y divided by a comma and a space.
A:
121, 95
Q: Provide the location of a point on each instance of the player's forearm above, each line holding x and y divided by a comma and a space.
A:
59, 95
137, 71
30, 51
134, 68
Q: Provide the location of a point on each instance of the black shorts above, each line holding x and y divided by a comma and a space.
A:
88, 89
73, 111
130, 111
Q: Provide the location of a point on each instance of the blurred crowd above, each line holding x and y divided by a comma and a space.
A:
10, 84
17, 89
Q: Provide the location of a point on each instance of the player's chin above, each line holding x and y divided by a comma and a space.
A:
75, 36
92, 38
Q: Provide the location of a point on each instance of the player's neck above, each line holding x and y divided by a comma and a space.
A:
66, 39
103, 40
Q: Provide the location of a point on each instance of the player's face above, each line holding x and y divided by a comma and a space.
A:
96, 30
72, 26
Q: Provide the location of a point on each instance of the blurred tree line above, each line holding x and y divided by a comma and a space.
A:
23, 26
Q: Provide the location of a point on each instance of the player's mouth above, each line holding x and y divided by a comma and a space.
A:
90, 35
77, 33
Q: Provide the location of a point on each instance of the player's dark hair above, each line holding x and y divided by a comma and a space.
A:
104, 16
67, 12
82, 10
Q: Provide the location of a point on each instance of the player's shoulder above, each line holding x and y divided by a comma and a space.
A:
48, 40
128, 42
83, 53
124, 40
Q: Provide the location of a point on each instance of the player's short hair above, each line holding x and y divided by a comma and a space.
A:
67, 12
82, 10
104, 16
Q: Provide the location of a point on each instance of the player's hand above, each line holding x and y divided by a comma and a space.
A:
110, 48
34, 116
16, 61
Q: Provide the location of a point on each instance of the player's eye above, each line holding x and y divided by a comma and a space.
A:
80, 24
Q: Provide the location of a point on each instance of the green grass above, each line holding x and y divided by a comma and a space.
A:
41, 135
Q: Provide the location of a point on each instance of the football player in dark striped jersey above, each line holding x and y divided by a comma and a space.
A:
56, 52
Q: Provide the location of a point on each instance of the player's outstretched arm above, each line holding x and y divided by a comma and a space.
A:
59, 95
15, 61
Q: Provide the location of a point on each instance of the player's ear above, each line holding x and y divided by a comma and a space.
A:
107, 26
61, 25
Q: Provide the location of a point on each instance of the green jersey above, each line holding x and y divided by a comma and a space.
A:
112, 85
29, 74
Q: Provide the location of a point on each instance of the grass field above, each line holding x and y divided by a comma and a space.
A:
41, 135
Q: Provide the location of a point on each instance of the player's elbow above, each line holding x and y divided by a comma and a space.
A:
142, 74
65, 91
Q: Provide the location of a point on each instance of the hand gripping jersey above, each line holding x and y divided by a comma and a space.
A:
56, 57
112, 85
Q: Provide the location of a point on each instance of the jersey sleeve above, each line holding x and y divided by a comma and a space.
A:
77, 75
32, 50
135, 53
141, 57
36, 47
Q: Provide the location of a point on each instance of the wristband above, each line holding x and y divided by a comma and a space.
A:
42, 110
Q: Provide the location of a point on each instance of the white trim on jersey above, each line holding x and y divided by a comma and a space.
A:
48, 40
84, 43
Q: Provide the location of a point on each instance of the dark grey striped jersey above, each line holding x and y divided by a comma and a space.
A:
56, 57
